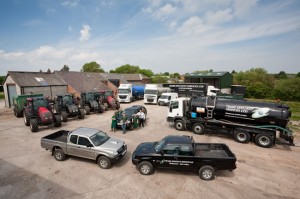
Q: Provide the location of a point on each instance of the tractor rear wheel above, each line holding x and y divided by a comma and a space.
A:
64, 116
81, 114
26, 118
87, 110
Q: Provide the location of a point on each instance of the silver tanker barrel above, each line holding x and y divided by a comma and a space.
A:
258, 113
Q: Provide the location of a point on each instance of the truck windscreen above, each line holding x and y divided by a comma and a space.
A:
152, 92
124, 91
99, 138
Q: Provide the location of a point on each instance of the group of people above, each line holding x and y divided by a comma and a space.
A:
138, 120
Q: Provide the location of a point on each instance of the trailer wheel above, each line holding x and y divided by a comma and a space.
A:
198, 129
179, 125
145, 168
87, 110
104, 162
241, 136
264, 140
59, 155
64, 116
207, 173
34, 126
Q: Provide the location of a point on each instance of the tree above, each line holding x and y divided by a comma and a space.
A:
258, 82
127, 69
92, 67
298, 74
281, 75
177, 75
166, 74
65, 68
159, 79
288, 89
146, 72
48, 71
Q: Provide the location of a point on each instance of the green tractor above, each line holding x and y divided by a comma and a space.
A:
20, 101
64, 104
90, 102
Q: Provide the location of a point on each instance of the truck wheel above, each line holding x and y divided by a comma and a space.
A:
57, 120
207, 173
59, 155
145, 168
105, 106
87, 110
26, 119
198, 129
81, 114
264, 140
104, 162
64, 116
241, 136
34, 126
179, 125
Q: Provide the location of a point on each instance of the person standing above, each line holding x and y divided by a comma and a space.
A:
141, 118
114, 122
135, 121
124, 121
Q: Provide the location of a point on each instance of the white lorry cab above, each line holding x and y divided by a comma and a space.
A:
153, 93
125, 93
165, 98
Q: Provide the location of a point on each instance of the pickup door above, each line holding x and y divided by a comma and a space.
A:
175, 156
80, 146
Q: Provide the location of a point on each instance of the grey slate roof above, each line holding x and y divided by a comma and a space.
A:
83, 81
24, 79
125, 78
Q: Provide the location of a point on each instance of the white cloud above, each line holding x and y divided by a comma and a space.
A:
242, 7
164, 11
70, 3
219, 16
85, 33
193, 25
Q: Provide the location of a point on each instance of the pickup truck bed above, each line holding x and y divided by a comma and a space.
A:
60, 136
212, 151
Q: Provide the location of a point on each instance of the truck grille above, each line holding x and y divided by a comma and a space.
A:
122, 96
121, 149
150, 100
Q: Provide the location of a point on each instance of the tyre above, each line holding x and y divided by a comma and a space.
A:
101, 108
241, 136
18, 113
105, 106
64, 116
59, 155
87, 110
264, 140
198, 129
26, 119
145, 168
118, 105
57, 120
81, 114
179, 125
104, 162
34, 126
207, 173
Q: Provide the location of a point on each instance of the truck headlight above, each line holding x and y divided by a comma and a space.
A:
115, 153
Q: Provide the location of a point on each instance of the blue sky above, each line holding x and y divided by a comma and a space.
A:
161, 35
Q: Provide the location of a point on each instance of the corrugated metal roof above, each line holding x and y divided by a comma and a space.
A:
83, 81
24, 79
206, 74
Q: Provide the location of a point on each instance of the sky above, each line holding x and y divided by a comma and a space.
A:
161, 35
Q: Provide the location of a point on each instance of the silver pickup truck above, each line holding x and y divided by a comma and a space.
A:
87, 143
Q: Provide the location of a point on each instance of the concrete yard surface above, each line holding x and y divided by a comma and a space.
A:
29, 171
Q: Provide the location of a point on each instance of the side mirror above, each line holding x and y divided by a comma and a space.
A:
170, 109
161, 152
89, 145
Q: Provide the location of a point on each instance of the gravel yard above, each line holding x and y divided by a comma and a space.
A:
29, 171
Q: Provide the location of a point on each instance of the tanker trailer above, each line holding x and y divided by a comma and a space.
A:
138, 92
243, 120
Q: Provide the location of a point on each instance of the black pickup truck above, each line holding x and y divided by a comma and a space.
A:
181, 152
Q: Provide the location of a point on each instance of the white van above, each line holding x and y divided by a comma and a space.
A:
165, 98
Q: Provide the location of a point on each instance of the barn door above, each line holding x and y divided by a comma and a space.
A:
12, 92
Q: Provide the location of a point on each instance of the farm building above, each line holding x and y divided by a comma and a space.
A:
79, 82
118, 79
221, 80
22, 83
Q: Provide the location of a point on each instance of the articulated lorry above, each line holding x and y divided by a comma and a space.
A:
191, 89
129, 92
153, 93
243, 120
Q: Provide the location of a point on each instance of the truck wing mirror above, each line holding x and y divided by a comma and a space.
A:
89, 145
170, 109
